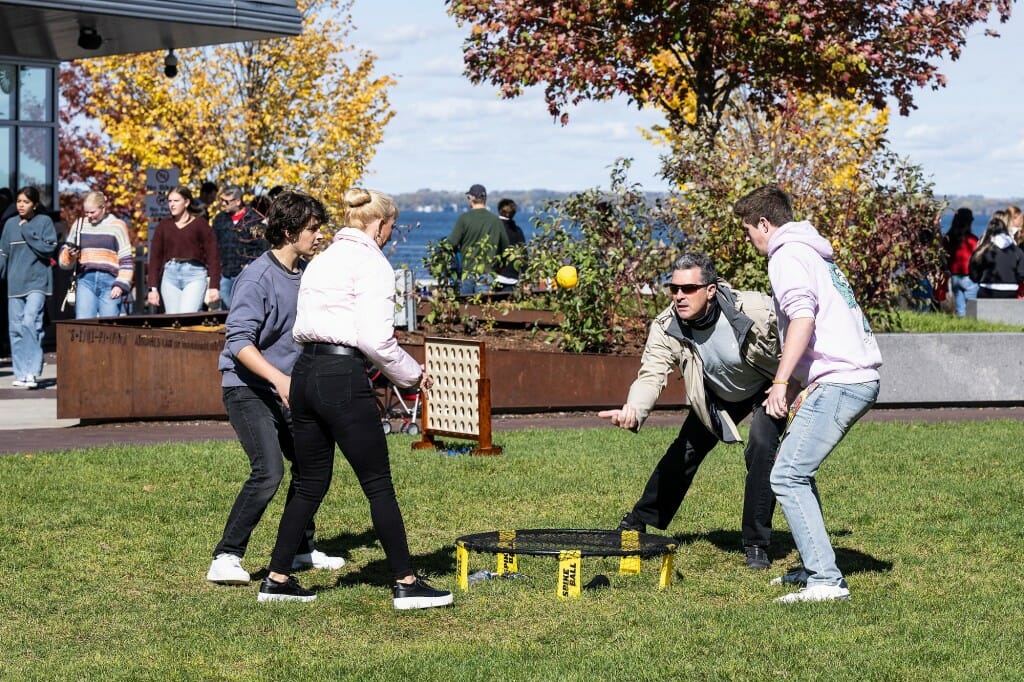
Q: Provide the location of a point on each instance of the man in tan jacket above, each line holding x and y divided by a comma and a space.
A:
726, 344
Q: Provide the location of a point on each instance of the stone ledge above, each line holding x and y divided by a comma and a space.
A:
1003, 310
952, 369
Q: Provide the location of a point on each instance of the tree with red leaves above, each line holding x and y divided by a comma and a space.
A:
595, 49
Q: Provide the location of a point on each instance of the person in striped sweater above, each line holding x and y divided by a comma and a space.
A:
99, 250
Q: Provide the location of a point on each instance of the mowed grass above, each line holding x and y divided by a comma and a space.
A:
106, 549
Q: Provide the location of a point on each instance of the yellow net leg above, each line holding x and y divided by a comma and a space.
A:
507, 563
630, 542
665, 577
462, 565
568, 574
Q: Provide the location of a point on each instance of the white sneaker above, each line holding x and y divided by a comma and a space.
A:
226, 569
817, 593
317, 559
30, 382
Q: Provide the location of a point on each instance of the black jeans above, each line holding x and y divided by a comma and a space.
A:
332, 402
261, 422
673, 475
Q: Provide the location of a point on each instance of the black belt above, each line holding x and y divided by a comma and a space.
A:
190, 261
330, 349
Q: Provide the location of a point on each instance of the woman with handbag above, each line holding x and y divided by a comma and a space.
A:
99, 252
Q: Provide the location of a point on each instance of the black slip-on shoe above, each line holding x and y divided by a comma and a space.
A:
419, 595
290, 590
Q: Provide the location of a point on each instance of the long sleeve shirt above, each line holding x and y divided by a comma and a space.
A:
103, 247
25, 252
195, 242
347, 297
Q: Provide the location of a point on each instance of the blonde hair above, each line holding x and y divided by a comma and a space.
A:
363, 206
96, 198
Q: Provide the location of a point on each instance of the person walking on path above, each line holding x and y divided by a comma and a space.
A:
100, 252
478, 237
726, 345
184, 264
829, 350
27, 247
258, 356
345, 316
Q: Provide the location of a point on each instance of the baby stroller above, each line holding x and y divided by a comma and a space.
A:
395, 404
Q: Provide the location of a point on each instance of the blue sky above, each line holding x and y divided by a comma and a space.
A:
448, 134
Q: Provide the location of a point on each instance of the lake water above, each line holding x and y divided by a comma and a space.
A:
408, 246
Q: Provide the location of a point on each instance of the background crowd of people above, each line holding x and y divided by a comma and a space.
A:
992, 267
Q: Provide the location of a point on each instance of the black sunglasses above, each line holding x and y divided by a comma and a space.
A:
685, 288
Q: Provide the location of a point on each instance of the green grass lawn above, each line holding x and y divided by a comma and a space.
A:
106, 551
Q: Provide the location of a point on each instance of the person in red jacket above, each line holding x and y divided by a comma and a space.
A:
960, 243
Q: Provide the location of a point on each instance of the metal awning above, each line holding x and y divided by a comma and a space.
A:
50, 29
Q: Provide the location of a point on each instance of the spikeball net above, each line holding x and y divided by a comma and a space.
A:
570, 546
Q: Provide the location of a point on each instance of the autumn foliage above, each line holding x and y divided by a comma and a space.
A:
306, 111
596, 49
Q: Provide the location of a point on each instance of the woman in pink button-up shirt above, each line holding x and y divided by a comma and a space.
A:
346, 316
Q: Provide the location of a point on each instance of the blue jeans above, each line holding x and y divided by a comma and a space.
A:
821, 422
25, 319
964, 289
264, 428
226, 285
183, 287
475, 284
92, 296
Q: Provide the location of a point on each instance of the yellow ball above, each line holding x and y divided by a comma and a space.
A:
566, 277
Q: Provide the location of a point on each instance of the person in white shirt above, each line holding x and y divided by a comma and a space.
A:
345, 316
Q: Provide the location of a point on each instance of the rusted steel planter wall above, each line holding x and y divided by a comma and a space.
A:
146, 367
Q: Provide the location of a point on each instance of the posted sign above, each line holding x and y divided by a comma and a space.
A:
159, 181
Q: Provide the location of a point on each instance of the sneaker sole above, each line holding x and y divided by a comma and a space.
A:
783, 600
299, 566
407, 603
263, 597
228, 581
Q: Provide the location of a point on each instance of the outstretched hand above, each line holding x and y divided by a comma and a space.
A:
624, 418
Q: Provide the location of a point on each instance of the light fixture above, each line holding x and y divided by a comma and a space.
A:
170, 64
89, 38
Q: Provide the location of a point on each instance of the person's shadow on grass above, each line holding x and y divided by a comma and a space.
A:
441, 561
849, 560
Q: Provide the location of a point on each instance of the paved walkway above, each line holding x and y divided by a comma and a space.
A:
29, 424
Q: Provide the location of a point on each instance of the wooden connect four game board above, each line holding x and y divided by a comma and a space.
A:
459, 402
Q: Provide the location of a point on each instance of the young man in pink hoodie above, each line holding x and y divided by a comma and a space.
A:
829, 351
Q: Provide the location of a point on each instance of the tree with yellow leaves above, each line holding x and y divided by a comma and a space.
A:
305, 111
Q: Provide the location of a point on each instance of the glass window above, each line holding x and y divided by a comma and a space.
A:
34, 98
8, 73
6, 157
35, 160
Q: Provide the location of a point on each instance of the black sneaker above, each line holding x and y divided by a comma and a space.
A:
631, 522
419, 595
291, 590
757, 558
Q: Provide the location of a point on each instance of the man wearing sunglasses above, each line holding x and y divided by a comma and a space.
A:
726, 345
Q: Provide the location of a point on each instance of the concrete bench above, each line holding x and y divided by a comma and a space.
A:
1004, 310
952, 369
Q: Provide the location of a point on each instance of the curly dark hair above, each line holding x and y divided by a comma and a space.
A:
290, 214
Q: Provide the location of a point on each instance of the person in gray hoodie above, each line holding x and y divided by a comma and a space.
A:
828, 351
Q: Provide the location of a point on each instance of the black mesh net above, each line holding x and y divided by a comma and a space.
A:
548, 541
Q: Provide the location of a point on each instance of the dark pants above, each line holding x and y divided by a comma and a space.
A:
332, 402
673, 475
261, 422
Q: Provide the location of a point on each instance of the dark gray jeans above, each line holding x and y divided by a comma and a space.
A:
264, 429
